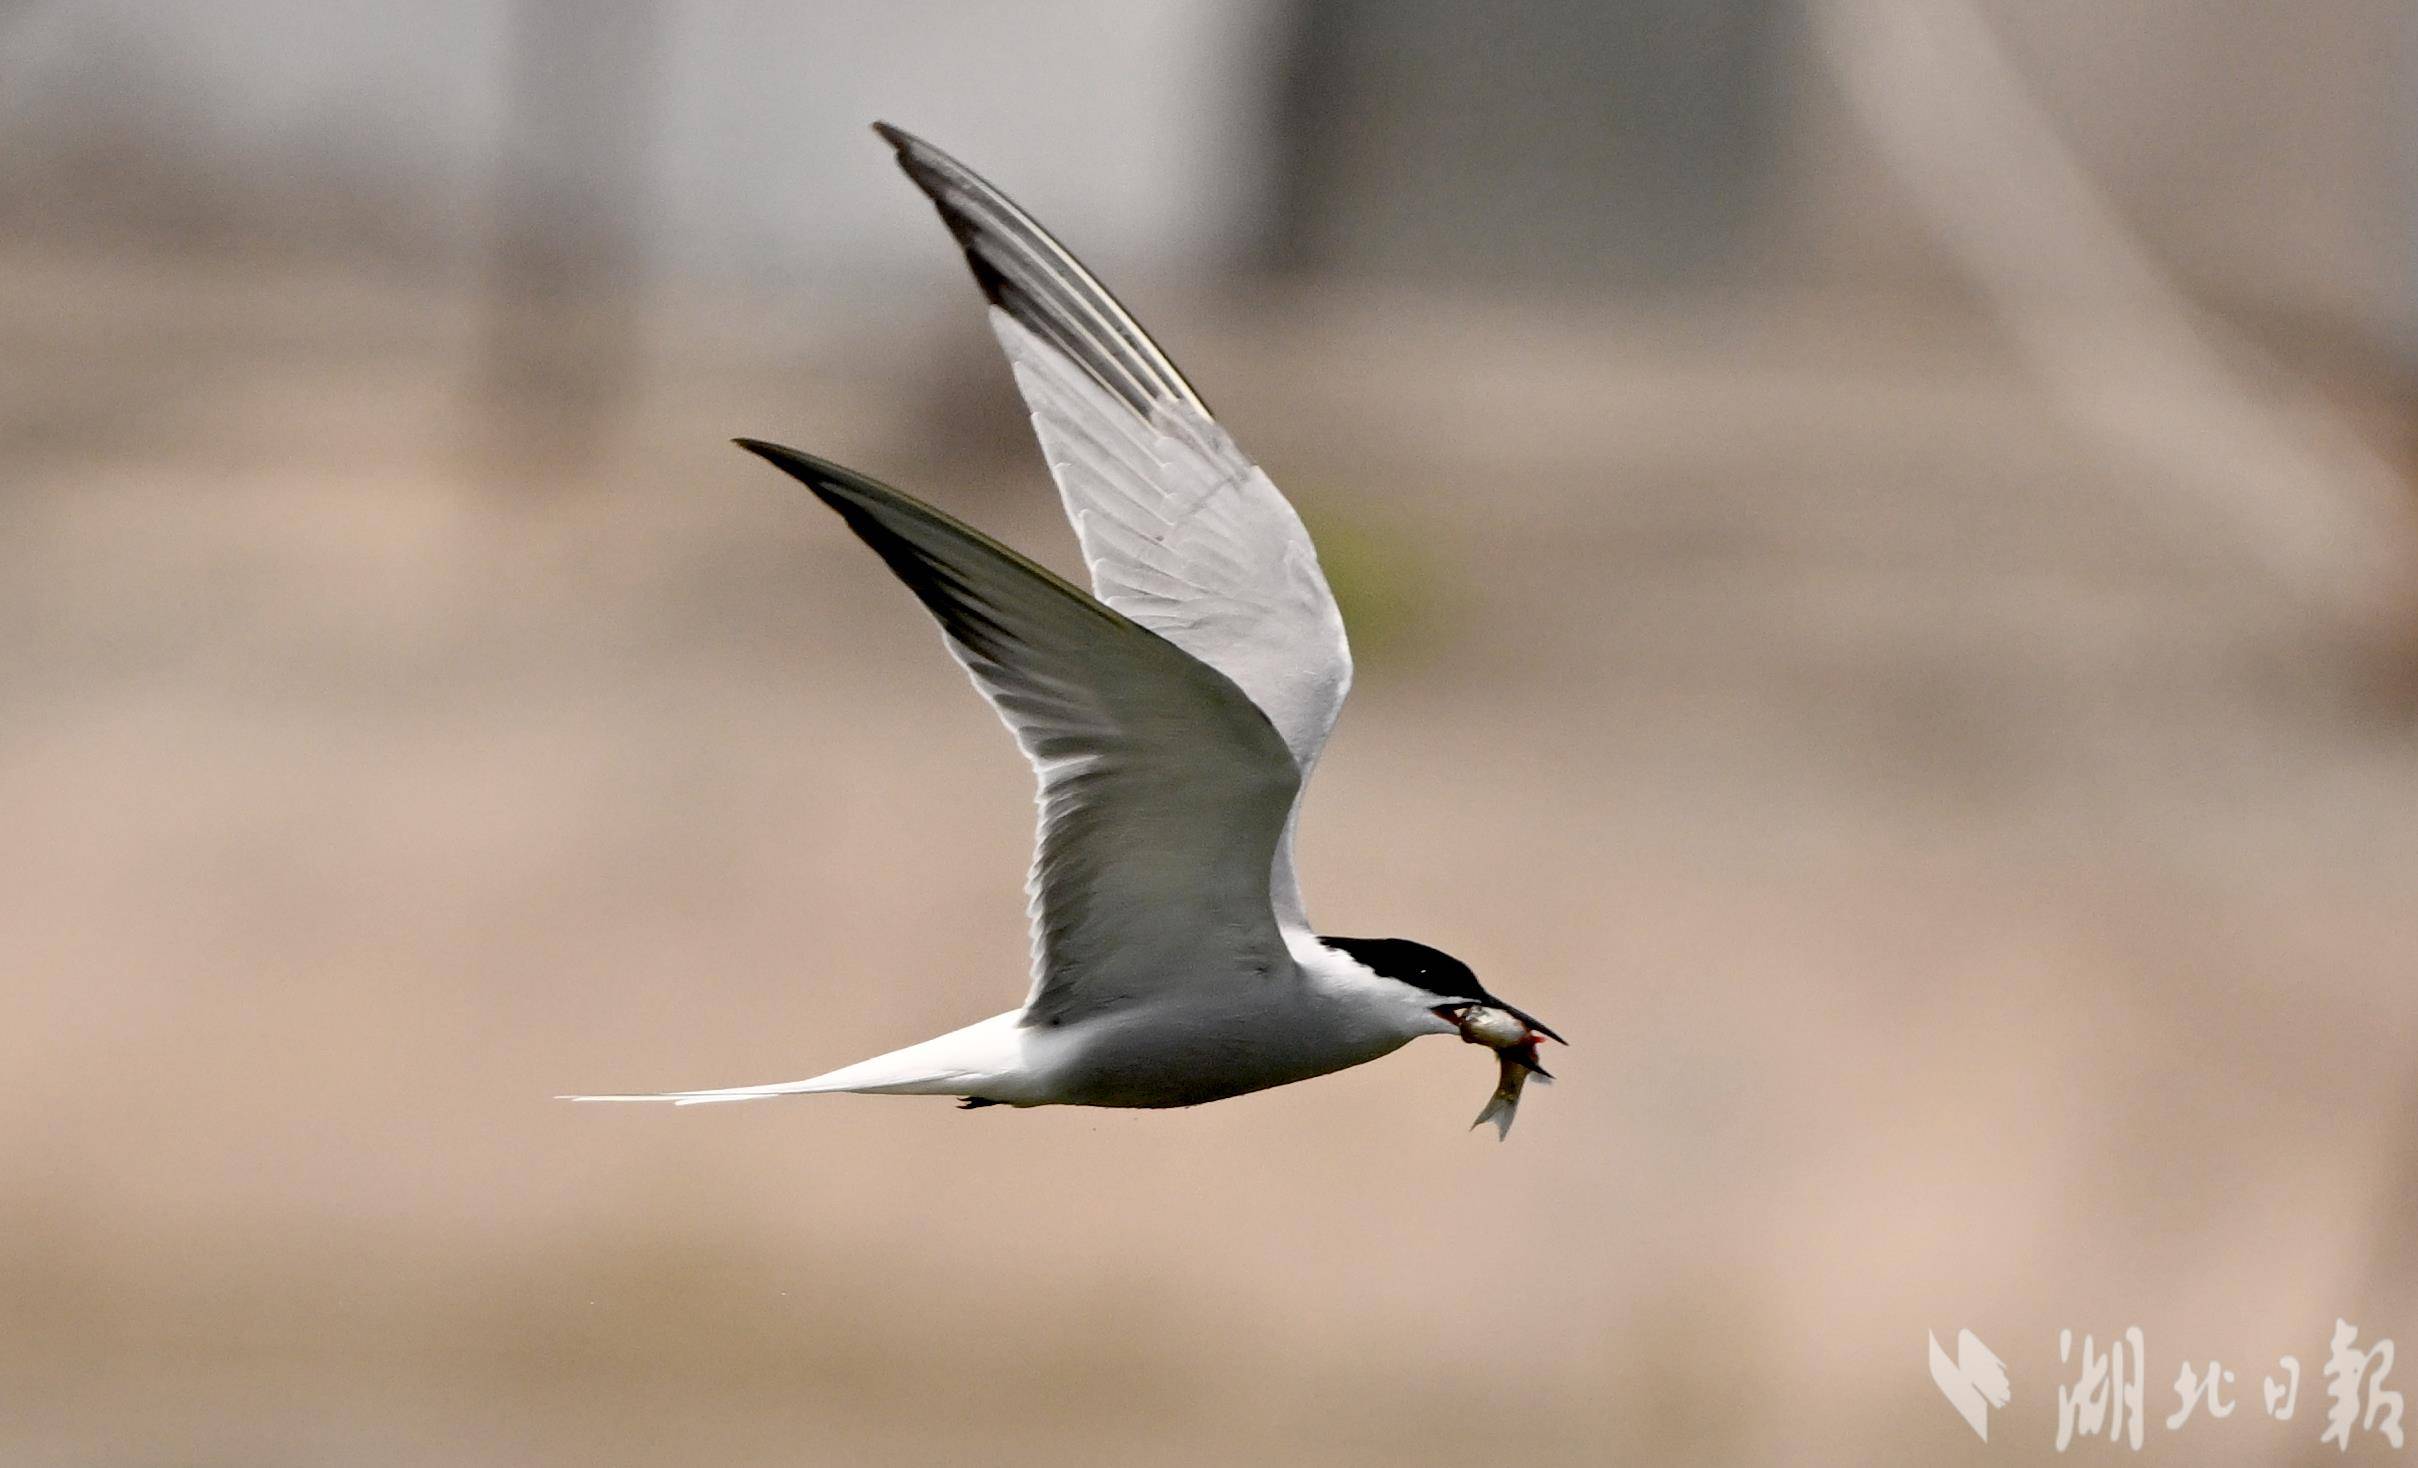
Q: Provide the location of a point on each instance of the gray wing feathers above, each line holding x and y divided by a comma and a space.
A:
1191, 540
1181, 532
1164, 790
1188, 538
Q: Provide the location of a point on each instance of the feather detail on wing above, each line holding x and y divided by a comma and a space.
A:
1163, 789
1180, 531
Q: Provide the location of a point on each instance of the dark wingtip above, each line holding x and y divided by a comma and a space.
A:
915, 156
775, 454
936, 174
808, 470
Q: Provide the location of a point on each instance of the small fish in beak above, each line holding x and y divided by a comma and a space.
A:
1513, 1037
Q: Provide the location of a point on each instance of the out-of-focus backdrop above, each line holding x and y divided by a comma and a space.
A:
1881, 547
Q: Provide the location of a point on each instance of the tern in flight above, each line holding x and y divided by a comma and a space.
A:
1172, 716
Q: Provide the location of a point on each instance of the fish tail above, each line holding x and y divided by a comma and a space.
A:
1499, 1110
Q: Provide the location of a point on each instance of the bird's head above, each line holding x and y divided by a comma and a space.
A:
1437, 994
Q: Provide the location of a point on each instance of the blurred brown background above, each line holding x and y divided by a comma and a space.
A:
1880, 544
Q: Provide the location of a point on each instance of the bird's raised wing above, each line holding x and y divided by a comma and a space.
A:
1164, 790
1181, 532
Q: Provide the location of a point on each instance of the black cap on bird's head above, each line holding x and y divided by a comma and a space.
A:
1455, 987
